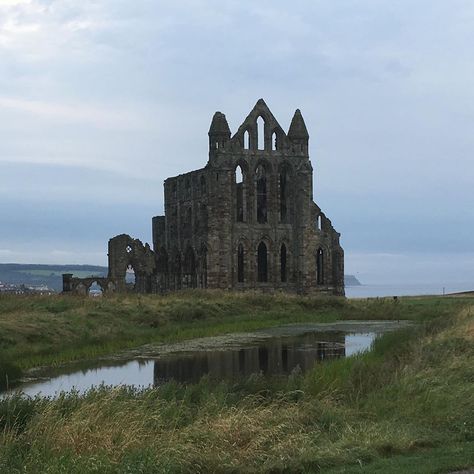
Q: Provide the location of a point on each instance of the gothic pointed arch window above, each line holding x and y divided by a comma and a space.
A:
261, 184
318, 222
130, 276
320, 267
262, 263
260, 133
283, 260
274, 141
246, 140
239, 175
239, 194
240, 263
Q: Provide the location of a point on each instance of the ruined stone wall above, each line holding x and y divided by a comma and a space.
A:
247, 220
253, 191
125, 255
180, 238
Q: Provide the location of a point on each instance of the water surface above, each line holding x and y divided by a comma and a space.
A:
403, 289
271, 352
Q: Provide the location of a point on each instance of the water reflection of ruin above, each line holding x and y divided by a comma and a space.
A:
278, 357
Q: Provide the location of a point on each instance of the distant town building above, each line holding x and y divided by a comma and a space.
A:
11, 288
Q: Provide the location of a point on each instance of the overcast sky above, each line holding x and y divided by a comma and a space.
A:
100, 101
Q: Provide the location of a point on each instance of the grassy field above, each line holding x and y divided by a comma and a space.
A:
37, 331
406, 406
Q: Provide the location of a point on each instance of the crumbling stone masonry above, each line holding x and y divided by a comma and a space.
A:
246, 220
125, 254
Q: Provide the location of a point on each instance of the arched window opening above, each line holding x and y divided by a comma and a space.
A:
283, 263
261, 195
203, 185
240, 263
189, 269
260, 133
262, 263
318, 222
203, 274
320, 267
274, 141
95, 290
130, 278
283, 197
246, 140
239, 194
239, 176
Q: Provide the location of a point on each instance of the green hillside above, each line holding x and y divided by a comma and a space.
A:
50, 275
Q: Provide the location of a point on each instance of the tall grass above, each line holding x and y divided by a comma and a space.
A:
44, 331
9, 372
406, 405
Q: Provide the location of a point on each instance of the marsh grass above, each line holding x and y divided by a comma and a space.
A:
9, 372
46, 331
53, 330
405, 406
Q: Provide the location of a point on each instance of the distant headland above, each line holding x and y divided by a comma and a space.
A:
351, 280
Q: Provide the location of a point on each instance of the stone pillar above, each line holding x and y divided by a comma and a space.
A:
67, 282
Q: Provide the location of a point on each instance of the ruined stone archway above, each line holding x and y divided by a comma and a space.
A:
130, 278
94, 289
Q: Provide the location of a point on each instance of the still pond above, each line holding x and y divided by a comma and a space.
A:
275, 351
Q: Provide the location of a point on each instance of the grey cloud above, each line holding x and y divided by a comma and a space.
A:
385, 89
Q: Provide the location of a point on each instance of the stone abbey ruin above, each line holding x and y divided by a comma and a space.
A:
246, 220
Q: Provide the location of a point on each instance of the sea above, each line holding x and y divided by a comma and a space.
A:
390, 290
